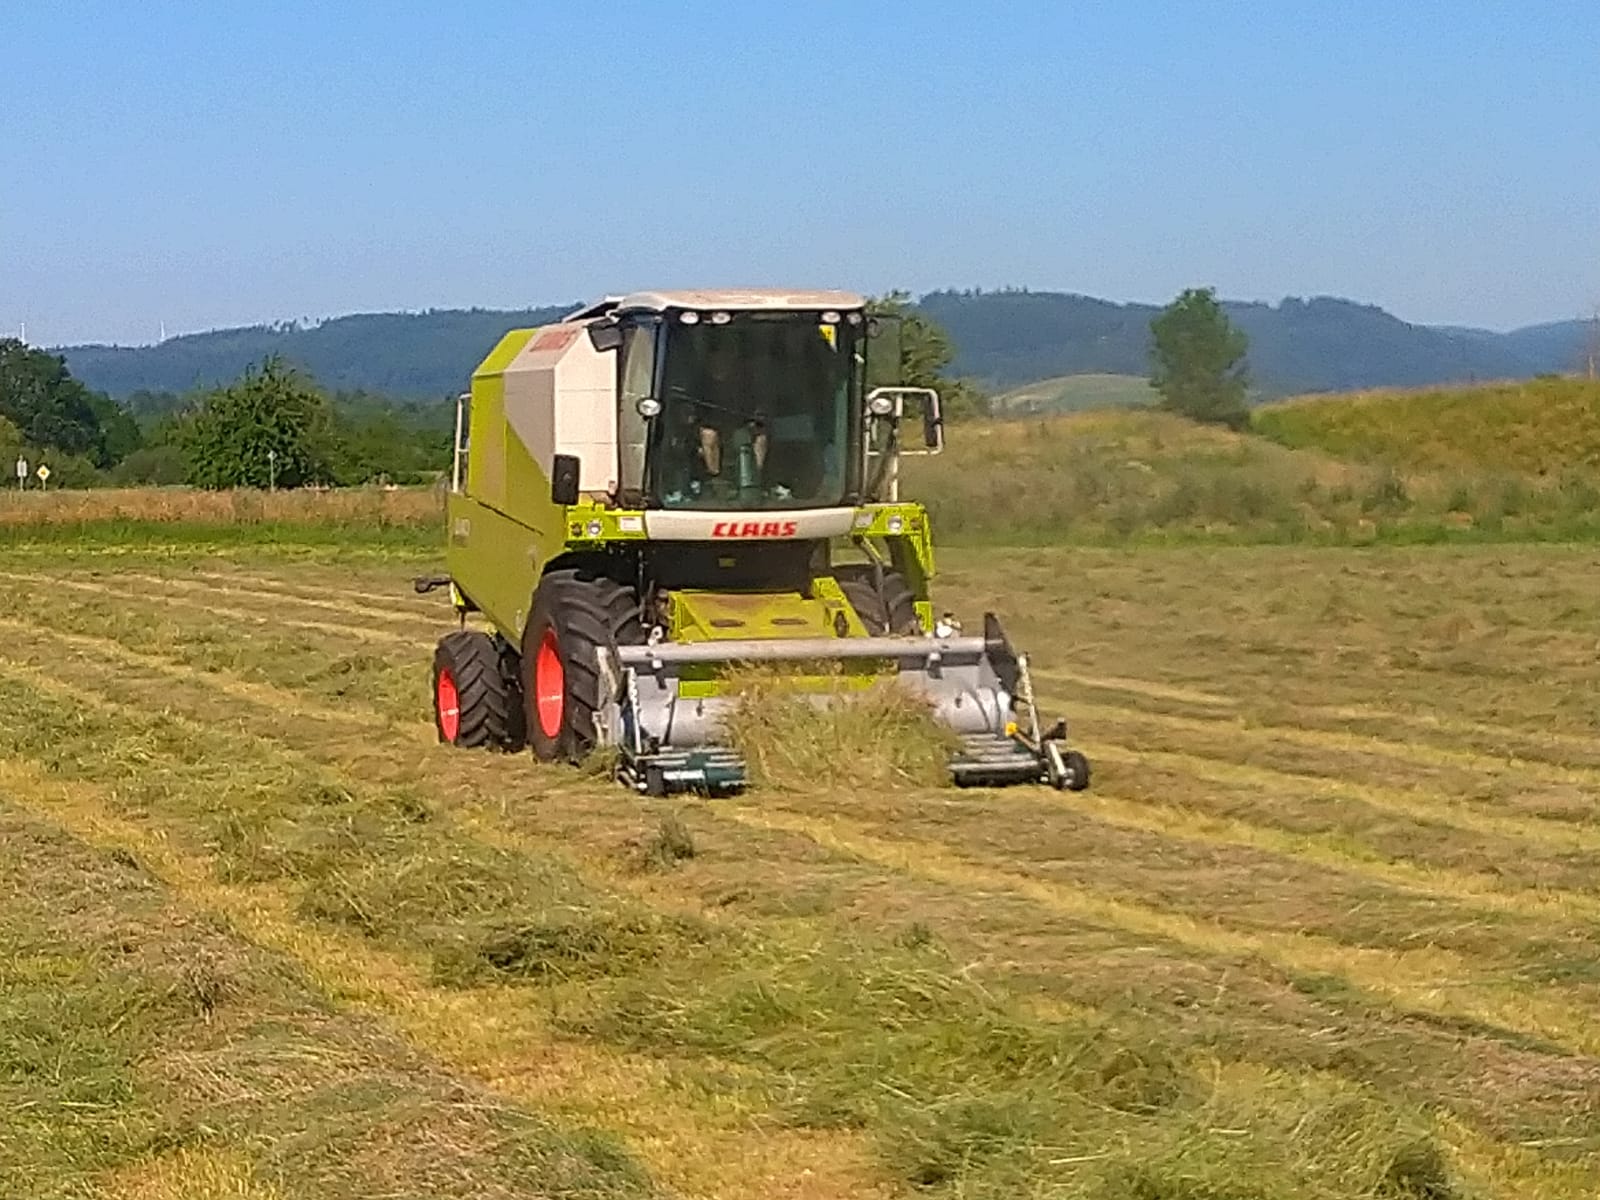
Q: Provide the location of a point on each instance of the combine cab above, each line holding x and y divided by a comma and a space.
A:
665, 484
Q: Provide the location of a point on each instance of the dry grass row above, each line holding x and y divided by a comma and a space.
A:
433, 946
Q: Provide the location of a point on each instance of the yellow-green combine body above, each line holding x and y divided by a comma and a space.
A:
660, 486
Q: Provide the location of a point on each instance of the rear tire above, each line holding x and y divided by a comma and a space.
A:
891, 610
475, 705
574, 615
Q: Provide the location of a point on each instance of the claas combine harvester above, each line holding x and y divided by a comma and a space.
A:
665, 485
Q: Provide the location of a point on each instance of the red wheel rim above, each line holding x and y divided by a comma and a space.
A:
449, 704
549, 685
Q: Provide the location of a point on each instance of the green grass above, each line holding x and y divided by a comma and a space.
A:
1541, 427
1151, 478
191, 536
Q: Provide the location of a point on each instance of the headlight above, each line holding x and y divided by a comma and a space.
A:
880, 406
689, 318
595, 529
648, 407
895, 525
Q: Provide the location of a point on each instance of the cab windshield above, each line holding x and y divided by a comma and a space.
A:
755, 412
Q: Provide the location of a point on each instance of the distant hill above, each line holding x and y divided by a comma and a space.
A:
1003, 340
409, 356
1563, 342
1076, 393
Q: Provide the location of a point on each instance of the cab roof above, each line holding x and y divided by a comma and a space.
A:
776, 299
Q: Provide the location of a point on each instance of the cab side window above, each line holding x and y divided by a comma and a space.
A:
636, 379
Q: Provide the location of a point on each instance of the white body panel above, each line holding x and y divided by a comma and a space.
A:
561, 361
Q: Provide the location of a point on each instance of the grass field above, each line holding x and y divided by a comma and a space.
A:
1076, 393
1133, 478
1324, 926
1533, 427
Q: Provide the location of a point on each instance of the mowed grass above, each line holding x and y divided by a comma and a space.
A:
148, 1050
1324, 927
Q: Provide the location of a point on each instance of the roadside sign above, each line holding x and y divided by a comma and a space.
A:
43, 473
22, 471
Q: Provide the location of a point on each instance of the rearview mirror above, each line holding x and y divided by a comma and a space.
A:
932, 423
604, 335
564, 479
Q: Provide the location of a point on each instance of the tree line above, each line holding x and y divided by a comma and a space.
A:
271, 425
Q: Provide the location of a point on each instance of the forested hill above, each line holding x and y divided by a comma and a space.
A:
408, 356
1009, 338
1002, 339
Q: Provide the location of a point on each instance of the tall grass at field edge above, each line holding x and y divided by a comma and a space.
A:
1530, 427
1108, 478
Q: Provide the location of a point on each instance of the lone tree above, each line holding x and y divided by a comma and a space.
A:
1198, 360
270, 424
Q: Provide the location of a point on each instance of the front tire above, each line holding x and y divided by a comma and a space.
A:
574, 616
1074, 773
890, 609
474, 701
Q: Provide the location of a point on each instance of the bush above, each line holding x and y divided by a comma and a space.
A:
157, 465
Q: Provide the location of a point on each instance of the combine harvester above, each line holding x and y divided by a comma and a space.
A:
656, 488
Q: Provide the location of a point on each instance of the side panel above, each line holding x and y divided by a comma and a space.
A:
530, 416
486, 445
486, 430
496, 561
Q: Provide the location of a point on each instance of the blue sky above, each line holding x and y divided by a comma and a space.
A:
216, 164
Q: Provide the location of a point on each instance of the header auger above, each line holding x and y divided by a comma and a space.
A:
665, 484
